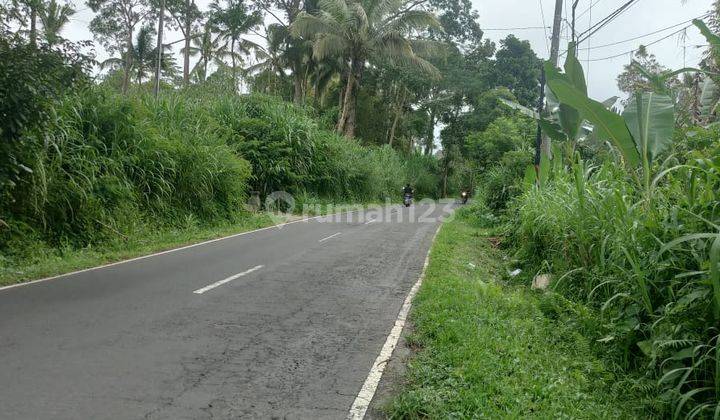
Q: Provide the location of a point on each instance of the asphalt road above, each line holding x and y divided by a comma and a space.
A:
290, 331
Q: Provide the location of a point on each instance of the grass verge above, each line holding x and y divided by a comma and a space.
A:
488, 349
50, 261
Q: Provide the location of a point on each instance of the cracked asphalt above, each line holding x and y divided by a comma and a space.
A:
294, 339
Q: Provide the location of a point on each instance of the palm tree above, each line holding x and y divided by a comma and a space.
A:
54, 17
360, 31
143, 52
210, 49
233, 21
144, 56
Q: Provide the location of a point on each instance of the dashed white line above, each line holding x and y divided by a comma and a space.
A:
330, 237
227, 280
367, 392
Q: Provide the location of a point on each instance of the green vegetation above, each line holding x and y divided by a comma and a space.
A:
490, 349
106, 169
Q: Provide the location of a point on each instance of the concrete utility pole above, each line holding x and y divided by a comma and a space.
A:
557, 21
540, 142
161, 24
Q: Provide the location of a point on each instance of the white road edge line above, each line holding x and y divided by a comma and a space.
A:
227, 280
330, 237
367, 392
142, 257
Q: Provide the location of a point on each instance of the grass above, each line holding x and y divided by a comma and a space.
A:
488, 349
54, 261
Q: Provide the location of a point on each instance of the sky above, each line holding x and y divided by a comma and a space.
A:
645, 17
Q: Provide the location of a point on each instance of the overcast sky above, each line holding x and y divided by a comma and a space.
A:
645, 17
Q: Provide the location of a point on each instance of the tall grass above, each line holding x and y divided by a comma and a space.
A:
108, 166
647, 265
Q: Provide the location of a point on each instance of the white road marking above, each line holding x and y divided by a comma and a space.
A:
330, 237
370, 221
227, 280
367, 392
142, 257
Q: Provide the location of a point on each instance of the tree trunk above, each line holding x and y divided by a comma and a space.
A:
298, 91
186, 51
33, 25
430, 141
158, 65
399, 103
345, 98
347, 121
128, 63
234, 70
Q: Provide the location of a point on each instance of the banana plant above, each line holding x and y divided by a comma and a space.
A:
650, 117
641, 133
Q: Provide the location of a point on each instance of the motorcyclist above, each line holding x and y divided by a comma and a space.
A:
407, 195
408, 190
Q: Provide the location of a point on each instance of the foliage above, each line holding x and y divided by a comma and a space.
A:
31, 81
491, 350
646, 267
362, 31
105, 165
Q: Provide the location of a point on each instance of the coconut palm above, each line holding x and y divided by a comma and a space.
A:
54, 16
233, 20
144, 56
360, 31
210, 49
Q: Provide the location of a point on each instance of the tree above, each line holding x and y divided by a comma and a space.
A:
233, 21
186, 16
210, 49
294, 52
632, 80
144, 56
114, 26
517, 68
26, 13
362, 31
54, 17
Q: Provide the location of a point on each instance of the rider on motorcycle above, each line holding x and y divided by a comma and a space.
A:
407, 195
407, 190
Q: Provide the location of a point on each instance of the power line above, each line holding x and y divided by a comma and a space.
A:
642, 36
542, 15
588, 9
602, 23
517, 29
646, 45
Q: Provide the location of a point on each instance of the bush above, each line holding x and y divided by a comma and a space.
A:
645, 265
503, 182
109, 165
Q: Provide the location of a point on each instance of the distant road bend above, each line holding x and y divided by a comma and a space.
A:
274, 323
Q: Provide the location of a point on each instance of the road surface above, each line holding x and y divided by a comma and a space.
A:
277, 323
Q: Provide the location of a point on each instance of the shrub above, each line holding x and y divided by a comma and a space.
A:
644, 264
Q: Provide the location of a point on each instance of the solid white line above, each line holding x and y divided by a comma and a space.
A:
227, 280
330, 237
142, 257
367, 392
370, 221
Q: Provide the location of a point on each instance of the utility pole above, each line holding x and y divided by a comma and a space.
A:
540, 142
557, 21
161, 23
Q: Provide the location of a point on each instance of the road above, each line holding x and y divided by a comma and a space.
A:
278, 323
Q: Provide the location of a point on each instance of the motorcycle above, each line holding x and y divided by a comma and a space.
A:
407, 200
464, 197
